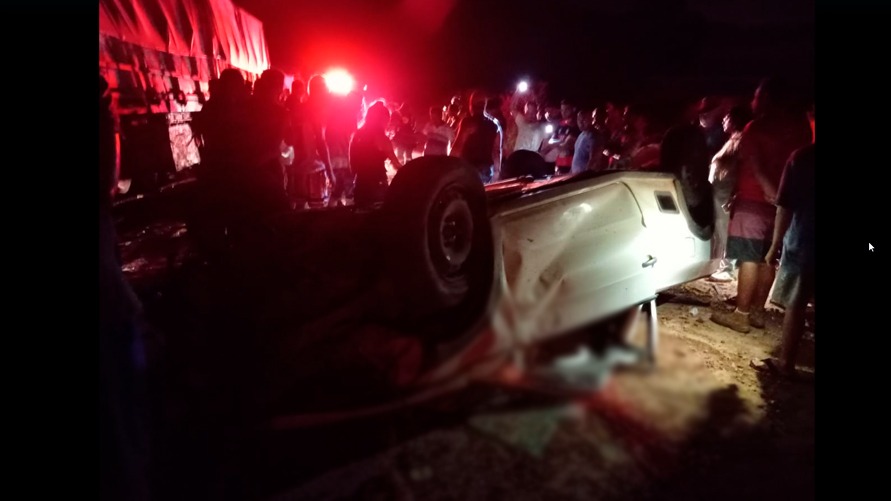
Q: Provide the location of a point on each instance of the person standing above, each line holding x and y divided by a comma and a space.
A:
530, 131
317, 108
563, 140
260, 181
582, 150
405, 136
766, 143
478, 137
439, 135
301, 141
599, 141
369, 151
342, 124
220, 126
723, 176
794, 233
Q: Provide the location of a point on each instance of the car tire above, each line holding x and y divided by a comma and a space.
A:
437, 244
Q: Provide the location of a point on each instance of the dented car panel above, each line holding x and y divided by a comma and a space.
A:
571, 259
580, 251
571, 252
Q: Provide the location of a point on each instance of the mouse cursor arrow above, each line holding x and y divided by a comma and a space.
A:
871, 248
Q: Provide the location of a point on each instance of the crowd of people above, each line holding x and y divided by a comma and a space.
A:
357, 146
764, 182
268, 149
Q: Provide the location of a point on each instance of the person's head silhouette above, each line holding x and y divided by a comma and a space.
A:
377, 116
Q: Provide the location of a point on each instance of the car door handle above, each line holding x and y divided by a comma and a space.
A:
649, 262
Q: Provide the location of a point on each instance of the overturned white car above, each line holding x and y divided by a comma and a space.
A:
449, 280
470, 277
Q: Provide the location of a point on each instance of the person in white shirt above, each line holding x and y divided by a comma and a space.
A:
438, 133
723, 177
530, 130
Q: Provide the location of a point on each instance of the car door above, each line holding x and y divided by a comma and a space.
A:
681, 254
570, 256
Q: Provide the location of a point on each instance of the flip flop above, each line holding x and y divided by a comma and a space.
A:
770, 367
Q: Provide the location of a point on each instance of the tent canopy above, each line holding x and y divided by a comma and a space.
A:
187, 37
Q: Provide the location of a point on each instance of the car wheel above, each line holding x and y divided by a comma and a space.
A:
437, 237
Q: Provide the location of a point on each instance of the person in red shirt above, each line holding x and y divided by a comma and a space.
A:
478, 138
563, 139
765, 145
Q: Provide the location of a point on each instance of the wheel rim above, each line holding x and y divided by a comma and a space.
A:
452, 241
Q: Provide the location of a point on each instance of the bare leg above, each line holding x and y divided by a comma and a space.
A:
793, 331
766, 275
794, 320
746, 288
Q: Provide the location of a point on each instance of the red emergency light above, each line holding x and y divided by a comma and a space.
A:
339, 81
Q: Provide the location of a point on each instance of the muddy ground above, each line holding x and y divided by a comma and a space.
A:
701, 425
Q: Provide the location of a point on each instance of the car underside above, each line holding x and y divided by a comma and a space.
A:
335, 309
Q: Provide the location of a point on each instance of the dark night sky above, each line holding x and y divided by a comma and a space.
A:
585, 49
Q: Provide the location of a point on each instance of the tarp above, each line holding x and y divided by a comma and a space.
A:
182, 37
130, 21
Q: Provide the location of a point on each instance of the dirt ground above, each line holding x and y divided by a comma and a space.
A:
701, 425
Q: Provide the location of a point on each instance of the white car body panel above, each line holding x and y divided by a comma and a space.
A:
577, 253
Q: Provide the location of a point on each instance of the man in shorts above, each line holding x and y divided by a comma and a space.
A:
794, 233
765, 145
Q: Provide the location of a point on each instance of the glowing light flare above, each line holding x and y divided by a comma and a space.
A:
339, 81
549, 129
523, 86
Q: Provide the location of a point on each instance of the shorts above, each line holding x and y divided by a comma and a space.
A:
750, 231
791, 288
747, 250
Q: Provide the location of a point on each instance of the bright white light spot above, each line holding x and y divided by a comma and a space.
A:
365, 88
549, 129
586, 207
339, 81
523, 86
